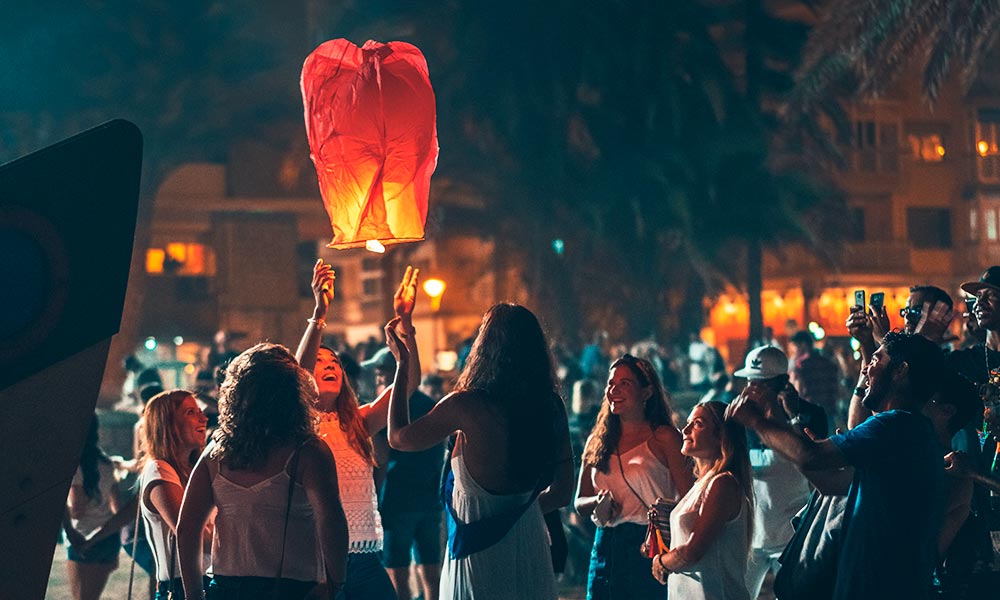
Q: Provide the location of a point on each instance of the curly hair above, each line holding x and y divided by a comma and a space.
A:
607, 430
263, 403
161, 440
510, 364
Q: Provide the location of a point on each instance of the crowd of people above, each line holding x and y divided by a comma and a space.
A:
299, 489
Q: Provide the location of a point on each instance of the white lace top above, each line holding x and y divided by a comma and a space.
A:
357, 488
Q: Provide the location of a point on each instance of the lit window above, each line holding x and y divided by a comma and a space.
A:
990, 217
987, 150
181, 258
926, 148
973, 224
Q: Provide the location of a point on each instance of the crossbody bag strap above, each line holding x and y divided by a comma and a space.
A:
288, 509
625, 479
135, 543
172, 537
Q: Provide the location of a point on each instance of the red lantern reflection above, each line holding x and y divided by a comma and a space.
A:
371, 124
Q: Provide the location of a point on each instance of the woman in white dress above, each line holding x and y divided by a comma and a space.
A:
512, 460
711, 526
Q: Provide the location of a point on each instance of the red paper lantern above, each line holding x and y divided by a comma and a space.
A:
372, 131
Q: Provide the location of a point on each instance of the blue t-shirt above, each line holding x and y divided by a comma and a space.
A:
894, 508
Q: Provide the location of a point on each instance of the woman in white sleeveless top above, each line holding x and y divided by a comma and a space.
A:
512, 460
347, 429
711, 527
632, 457
279, 523
173, 433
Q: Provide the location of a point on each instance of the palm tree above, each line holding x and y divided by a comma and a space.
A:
862, 46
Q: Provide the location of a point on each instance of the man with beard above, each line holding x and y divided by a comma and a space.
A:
895, 500
974, 559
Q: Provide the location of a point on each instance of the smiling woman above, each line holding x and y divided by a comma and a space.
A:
632, 458
173, 433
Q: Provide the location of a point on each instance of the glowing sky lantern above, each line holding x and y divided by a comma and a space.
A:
372, 131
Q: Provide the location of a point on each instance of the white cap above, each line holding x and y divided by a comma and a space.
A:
764, 362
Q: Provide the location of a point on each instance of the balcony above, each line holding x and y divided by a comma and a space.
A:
875, 257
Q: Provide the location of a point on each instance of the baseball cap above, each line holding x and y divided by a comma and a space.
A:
989, 279
764, 362
383, 360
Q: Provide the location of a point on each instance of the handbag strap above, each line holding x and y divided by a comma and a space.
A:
288, 509
135, 543
625, 479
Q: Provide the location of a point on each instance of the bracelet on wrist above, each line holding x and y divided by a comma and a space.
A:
659, 559
317, 323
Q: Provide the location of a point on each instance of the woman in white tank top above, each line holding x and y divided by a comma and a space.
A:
280, 530
711, 527
633, 457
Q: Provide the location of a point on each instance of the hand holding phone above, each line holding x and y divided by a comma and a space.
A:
876, 301
859, 298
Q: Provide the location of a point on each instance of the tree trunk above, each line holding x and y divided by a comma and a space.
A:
755, 285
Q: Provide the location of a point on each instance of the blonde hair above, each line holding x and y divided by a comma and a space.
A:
160, 438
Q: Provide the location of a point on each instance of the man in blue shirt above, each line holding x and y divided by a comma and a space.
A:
894, 463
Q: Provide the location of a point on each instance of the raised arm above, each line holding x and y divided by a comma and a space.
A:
861, 325
322, 287
805, 453
403, 303
196, 507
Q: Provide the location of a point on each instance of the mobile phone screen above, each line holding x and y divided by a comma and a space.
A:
877, 299
859, 298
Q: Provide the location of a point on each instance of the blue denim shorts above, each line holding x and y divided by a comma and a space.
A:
103, 552
419, 532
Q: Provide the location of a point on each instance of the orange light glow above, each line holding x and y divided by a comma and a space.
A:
154, 260
939, 149
983, 147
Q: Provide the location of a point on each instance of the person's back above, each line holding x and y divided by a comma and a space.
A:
817, 379
251, 517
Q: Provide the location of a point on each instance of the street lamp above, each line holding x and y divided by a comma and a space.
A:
435, 289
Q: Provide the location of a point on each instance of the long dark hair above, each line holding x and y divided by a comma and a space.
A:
510, 365
348, 410
263, 403
607, 432
90, 459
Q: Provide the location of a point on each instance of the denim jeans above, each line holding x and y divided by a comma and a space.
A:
618, 570
366, 578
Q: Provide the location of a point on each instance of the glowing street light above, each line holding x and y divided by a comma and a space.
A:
435, 289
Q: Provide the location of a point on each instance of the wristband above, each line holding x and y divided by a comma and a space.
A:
659, 559
860, 391
317, 323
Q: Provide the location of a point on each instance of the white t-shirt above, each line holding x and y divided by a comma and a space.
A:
160, 537
96, 512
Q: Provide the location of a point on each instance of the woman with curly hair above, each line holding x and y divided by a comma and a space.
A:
711, 527
173, 433
632, 458
511, 464
280, 530
347, 429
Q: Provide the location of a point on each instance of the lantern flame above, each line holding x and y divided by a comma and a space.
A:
374, 246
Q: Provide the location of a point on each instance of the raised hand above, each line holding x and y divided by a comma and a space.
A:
958, 464
322, 287
406, 296
880, 323
934, 321
744, 410
392, 339
859, 325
